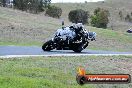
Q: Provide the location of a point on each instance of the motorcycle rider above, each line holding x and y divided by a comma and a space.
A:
69, 32
75, 32
78, 29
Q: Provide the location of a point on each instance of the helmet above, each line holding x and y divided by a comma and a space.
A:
73, 26
79, 25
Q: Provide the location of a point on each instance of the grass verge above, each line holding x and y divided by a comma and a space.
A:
58, 72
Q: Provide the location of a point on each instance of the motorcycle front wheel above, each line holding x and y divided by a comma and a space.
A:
79, 47
47, 46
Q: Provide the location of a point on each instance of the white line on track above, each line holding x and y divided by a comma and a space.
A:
59, 55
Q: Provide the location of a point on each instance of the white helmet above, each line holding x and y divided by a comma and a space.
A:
74, 25
79, 25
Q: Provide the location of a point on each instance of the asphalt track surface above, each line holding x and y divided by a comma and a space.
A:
21, 51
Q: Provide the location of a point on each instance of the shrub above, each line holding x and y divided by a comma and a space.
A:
128, 18
94, 21
3, 3
54, 11
96, 11
34, 6
121, 15
100, 18
78, 15
86, 2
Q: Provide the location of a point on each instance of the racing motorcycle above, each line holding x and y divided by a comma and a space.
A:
69, 38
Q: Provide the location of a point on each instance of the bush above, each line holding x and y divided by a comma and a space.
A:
54, 11
3, 3
78, 15
96, 11
34, 6
128, 18
121, 15
100, 18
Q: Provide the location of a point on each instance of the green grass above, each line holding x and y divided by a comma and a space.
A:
117, 36
38, 73
25, 82
111, 40
55, 72
9, 43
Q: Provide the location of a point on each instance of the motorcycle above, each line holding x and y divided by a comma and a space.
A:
67, 38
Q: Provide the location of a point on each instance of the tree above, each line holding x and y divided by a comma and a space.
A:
78, 15
85, 2
21, 4
3, 3
100, 18
96, 11
128, 18
54, 11
121, 15
33, 6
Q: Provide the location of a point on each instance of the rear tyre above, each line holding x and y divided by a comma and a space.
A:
48, 46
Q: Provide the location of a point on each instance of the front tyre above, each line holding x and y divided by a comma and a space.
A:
78, 50
48, 46
79, 47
